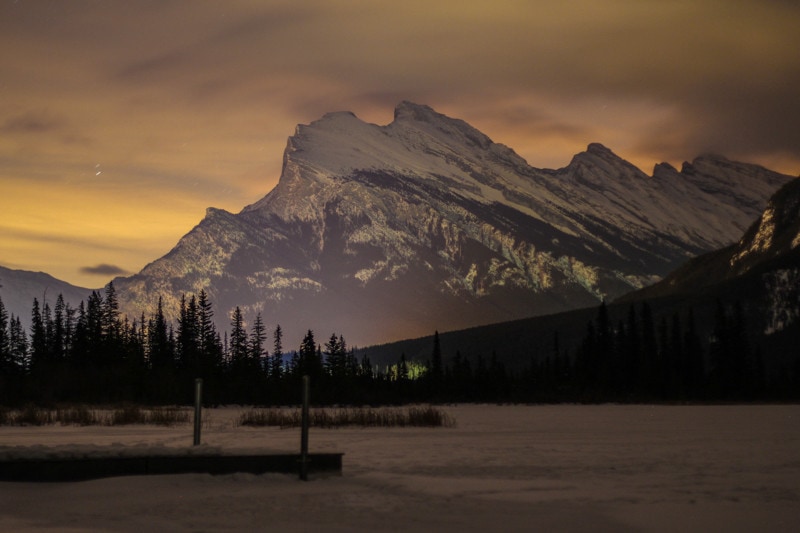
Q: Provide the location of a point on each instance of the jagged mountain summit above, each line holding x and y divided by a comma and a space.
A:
384, 232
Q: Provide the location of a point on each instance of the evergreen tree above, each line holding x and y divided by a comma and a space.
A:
437, 370
238, 340
161, 354
603, 349
662, 362
6, 365
631, 351
143, 333
307, 357
461, 377
38, 343
18, 345
676, 363
93, 329
719, 350
557, 369
109, 318
210, 347
60, 334
365, 368
47, 318
137, 343
70, 326
402, 368
276, 362
336, 357
258, 336
619, 371
351, 363
743, 370
498, 379
482, 380
189, 337
694, 366
586, 360
648, 369
79, 351
317, 364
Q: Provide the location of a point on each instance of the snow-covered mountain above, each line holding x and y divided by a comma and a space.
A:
384, 232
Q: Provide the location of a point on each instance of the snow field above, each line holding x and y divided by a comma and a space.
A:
502, 468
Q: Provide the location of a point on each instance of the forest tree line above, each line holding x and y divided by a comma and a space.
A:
93, 354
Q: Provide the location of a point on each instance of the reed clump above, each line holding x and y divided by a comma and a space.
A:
385, 417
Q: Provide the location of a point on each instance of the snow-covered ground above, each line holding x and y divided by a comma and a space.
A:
502, 468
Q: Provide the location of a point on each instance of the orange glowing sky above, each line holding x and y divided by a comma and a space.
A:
120, 122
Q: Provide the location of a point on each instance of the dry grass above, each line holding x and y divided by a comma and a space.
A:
427, 416
156, 416
81, 415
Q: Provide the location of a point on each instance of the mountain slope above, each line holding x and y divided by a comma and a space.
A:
762, 268
381, 232
18, 288
761, 272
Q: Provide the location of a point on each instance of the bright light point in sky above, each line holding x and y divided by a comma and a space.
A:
654, 82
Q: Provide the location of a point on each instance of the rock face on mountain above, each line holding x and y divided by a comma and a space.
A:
384, 232
762, 269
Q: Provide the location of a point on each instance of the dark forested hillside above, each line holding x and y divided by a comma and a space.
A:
656, 350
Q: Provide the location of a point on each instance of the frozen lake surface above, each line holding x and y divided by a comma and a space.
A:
502, 468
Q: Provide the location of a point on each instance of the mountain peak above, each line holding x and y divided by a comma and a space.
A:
664, 170
336, 121
598, 156
456, 133
338, 116
599, 149
595, 151
406, 110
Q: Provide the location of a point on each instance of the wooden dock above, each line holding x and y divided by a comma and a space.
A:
85, 468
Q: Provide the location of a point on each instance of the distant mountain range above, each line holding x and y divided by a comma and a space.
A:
388, 232
18, 288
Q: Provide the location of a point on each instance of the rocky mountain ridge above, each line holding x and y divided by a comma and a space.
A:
759, 276
385, 232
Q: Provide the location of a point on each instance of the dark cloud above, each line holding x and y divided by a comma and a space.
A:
744, 118
35, 129
31, 122
104, 270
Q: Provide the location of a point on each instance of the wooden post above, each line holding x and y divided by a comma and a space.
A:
198, 407
304, 430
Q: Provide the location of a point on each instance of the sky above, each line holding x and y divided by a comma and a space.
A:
122, 121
